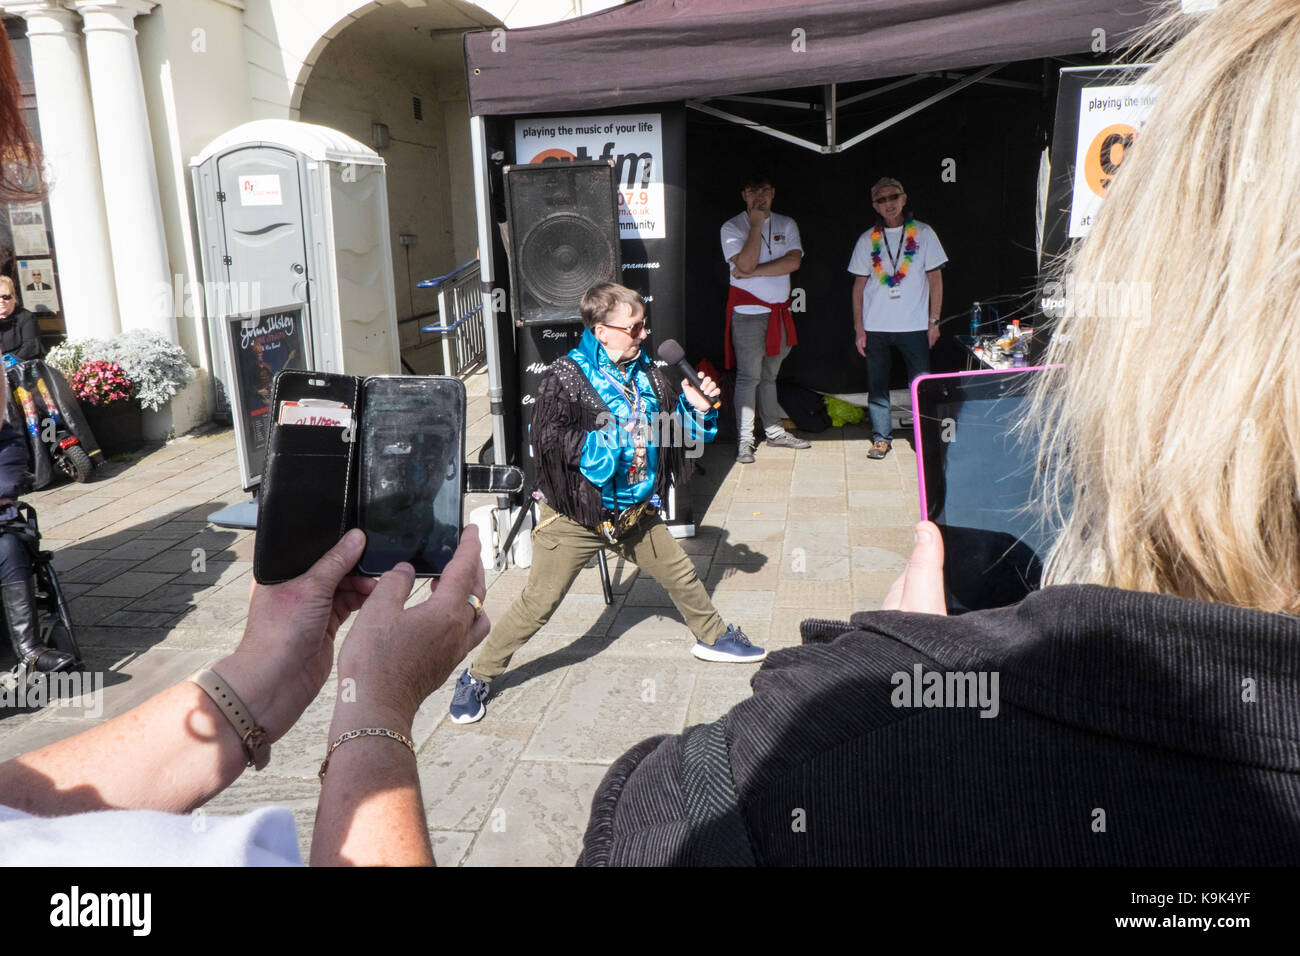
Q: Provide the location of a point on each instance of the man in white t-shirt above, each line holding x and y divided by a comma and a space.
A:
762, 248
897, 299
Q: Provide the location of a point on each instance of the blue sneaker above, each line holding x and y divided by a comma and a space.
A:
467, 702
733, 647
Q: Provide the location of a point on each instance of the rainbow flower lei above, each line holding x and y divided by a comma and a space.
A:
909, 250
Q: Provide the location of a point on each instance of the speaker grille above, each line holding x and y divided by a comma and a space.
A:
562, 257
563, 225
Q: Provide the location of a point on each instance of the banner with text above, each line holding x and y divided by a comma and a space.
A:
1109, 120
634, 143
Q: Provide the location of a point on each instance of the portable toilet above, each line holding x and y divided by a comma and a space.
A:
297, 264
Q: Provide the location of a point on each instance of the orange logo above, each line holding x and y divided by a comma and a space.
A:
553, 155
1105, 153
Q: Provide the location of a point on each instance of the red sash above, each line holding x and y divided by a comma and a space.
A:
781, 315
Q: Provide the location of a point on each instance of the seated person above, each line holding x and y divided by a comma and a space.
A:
17, 587
20, 334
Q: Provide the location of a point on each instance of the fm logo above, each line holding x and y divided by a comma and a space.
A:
626, 165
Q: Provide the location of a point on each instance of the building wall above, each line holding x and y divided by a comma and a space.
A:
352, 86
210, 65
195, 82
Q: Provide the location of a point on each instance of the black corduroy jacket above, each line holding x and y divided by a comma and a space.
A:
1130, 730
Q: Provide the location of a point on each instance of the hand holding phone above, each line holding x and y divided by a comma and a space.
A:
919, 589
400, 655
976, 475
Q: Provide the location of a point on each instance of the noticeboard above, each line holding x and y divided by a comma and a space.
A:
257, 349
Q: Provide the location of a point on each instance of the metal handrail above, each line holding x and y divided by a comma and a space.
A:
460, 297
442, 329
434, 283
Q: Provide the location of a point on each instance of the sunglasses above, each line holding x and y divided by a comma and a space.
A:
885, 199
635, 329
6, 298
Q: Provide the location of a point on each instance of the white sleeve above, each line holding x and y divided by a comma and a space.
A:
793, 239
934, 254
733, 240
860, 262
264, 837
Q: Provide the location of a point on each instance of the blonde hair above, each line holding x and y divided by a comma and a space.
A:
1177, 432
7, 280
600, 300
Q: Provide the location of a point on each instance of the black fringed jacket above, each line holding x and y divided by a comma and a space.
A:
567, 408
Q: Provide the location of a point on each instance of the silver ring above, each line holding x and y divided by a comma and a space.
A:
477, 605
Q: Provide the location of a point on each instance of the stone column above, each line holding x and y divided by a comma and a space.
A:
85, 262
126, 159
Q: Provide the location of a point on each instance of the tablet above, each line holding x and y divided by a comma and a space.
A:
976, 476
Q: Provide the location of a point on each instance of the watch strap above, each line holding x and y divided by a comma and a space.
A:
257, 745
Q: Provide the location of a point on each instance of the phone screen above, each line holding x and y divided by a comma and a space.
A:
412, 457
976, 472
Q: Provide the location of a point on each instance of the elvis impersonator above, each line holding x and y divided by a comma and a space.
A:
610, 432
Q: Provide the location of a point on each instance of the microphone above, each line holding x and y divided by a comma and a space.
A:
675, 355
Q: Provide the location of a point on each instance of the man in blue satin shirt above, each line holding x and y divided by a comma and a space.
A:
610, 433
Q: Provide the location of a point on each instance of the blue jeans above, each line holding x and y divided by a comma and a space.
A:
915, 349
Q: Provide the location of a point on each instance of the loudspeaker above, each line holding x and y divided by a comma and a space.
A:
563, 234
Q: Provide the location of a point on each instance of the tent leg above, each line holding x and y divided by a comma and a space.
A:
605, 585
832, 119
483, 214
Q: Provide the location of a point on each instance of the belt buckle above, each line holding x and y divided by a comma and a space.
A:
631, 518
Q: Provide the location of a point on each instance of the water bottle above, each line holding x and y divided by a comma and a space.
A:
1018, 353
976, 320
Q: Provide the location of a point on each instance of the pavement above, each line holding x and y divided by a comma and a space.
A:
157, 592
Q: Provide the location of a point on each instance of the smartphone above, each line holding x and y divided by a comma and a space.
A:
976, 472
411, 461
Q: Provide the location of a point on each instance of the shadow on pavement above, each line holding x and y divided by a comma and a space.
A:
130, 589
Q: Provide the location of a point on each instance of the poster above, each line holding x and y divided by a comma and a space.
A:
261, 347
36, 283
27, 226
1109, 120
635, 144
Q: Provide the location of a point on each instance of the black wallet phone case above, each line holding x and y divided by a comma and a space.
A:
308, 495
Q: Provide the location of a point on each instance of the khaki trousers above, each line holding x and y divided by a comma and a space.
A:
561, 549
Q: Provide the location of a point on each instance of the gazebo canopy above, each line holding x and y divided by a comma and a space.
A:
661, 50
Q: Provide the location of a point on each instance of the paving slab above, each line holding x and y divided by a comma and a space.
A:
605, 706
463, 769
540, 818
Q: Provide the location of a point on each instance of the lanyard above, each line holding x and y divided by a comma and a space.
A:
893, 259
630, 391
767, 237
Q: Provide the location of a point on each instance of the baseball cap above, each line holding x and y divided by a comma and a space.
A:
886, 183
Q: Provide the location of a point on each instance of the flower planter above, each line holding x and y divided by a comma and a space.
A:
118, 426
